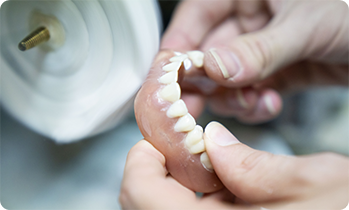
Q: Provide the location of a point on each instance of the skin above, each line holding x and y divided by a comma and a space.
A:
252, 179
157, 128
282, 48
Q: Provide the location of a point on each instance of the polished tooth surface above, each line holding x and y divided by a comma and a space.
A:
198, 147
185, 123
169, 77
174, 66
187, 64
177, 109
171, 92
197, 57
194, 136
205, 161
180, 58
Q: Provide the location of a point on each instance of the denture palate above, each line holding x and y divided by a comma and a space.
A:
165, 122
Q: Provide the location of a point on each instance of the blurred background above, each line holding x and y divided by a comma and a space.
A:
37, 173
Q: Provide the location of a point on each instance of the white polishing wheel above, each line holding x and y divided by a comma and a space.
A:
82, 81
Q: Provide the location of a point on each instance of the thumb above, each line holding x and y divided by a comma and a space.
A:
254, 56
252, 175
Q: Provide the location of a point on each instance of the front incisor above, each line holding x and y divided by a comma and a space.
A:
197, 57
174, 66
180, 58
169, 77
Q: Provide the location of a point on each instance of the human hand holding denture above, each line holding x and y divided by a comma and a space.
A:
259, 49
252, 60
252, 178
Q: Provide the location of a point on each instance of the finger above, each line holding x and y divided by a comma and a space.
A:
257, 176
304, 74
195, 103
145, 184
191, 22
247, 105
254, 56
268, 106
252, 15
227, 30
221, 195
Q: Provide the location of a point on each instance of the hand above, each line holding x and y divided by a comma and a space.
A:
252, 178
266, 47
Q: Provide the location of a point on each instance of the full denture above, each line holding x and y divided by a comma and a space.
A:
173, 131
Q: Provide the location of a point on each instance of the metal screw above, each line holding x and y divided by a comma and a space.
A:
35, 38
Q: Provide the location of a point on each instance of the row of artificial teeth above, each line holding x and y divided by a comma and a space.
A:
172, 93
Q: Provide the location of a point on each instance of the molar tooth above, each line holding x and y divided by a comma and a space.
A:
169, 77
174, 66
180, 58
177, 109
197, 57
185, 123
194, 136
171, 92
197, 148
205, 161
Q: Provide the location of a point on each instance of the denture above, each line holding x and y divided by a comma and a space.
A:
164, 121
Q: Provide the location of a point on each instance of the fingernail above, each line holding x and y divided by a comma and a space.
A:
241, 99
215, 132
227, 61
269, 104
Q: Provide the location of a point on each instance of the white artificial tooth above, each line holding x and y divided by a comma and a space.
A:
197, 57
194, 136
197, 148
205, 161
177, 109
187, 64
177, 53
171, 92
185, 123
174, 66
180, 58
169, 77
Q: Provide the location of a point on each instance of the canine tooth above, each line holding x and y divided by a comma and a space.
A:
180, 58
197, 148
185, 123
194, 136
205, 161
177, 109
197, 57
169, 77
171, 92
187, 64
174, 66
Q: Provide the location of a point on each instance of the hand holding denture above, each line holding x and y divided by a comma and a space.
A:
259, 49
252, 178
232, 56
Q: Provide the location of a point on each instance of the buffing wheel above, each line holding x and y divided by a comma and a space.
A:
82, 81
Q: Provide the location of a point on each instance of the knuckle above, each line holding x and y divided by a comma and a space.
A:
261, 50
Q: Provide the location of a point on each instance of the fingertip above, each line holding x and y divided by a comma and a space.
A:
267, 107
272, 101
